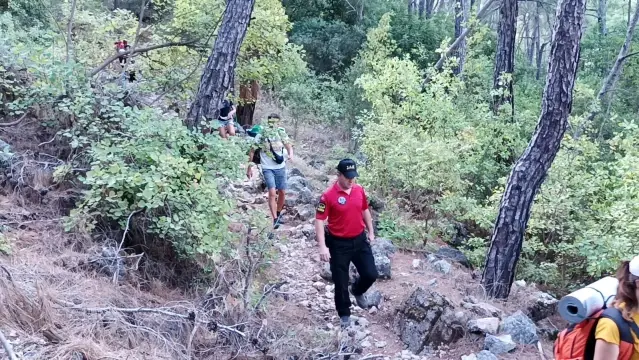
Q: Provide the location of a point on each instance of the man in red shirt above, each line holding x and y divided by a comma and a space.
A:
343, 209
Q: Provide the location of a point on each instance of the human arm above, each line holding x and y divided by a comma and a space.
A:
289, 149
368, 219
232, 112
325, 255
608, 339
605, 350
321, 215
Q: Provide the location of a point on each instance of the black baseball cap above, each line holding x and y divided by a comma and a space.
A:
348, 168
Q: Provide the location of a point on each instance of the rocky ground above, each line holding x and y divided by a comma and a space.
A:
424, 306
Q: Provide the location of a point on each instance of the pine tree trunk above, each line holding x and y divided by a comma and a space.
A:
601, 16
505, 57
248, 97
430, 5
536, 42
462, 12
531, 169
219, 72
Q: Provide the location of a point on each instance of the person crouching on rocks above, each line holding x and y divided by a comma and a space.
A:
344, 209
609, 345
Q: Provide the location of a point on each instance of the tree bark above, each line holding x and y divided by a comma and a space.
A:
601, 16
249, 93
219, 72
411, 7
70, 31
429, 5
536, 42
540, 56
480, 13
505, 56
531, 169
462, 13
617, 67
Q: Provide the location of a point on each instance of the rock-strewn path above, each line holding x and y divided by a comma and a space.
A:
426, 306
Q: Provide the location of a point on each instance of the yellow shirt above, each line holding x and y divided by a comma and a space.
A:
607, 331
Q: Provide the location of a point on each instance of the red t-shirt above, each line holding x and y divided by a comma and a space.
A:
343, 210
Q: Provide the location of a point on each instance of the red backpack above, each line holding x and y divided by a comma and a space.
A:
577, 342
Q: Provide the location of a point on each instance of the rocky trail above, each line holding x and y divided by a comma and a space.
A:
424, 306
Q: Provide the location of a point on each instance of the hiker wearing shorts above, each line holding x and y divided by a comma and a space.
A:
225, 119
610, 340
343, 209
122, 46
271, 142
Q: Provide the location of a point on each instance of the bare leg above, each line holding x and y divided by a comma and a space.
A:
223, 133
272, 203
281, 196
231, 129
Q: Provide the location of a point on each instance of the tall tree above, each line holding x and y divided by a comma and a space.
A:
602, 8
531, 169
505, 57
462, 15
219, 72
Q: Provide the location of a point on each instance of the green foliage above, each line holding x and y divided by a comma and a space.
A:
171, 174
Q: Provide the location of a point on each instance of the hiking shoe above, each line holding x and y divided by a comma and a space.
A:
278, 220
344, 321
359, 299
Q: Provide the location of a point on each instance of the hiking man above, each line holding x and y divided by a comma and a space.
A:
344, 209
122, 46
225, 119
270, 142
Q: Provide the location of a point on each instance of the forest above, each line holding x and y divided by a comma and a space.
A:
506, 129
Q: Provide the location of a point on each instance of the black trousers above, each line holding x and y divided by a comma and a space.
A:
344, 251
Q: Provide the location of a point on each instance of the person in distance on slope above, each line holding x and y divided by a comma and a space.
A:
607, 334
344, 209
225, 119
270, 142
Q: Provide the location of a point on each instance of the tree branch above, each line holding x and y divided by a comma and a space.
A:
15, 122
462, 36
140, 50
7, 347
69, 30
103, 310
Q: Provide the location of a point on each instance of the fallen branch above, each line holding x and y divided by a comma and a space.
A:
103, 310
7, 347
15, 122
541, 351
271, 289
140, 50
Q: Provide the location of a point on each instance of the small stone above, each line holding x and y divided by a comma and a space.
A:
469, 357
305, 303
319, 285
366, 344
330, 326
484, 326
417, 263
520, 283
486, 355
362, 322
373, 310
360, 336
380, 344
442, 266
432, 282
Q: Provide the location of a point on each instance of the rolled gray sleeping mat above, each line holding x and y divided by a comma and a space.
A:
580, 304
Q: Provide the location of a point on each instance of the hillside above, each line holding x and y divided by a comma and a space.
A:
496, 141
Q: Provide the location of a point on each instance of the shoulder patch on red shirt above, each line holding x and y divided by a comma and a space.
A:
321, 207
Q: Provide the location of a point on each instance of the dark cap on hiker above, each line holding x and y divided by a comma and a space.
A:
348, 168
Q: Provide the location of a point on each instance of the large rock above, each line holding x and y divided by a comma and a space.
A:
499, 344
383, 265
298, 184
383, 247
373, 297
453, 255
483, 309
522, 329
306, 231
543, 306
449, 328
484, 326
305, 212
417, 318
